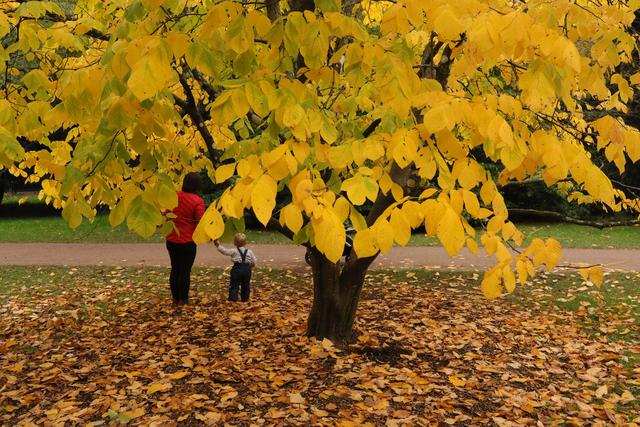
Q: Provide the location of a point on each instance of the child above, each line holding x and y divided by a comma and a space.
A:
243, 260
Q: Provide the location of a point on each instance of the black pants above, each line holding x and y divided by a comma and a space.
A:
182, 256
240, 278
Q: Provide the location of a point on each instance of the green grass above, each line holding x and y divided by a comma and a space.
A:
18, 199
569, 235
54, 229
579, 236
45, 229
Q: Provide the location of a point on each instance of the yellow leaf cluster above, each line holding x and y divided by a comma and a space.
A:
319, 108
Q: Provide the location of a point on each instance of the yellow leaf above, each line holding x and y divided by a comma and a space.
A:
156, 387
136, 413
231, 206
263, 198
178, 375
553, 253
239, 103
509, 278
472, 245
179, 43
521, 267
342, 208
384, 235
200, 316
166, 193
329, 233
451, 232
224, 172
491, 284
328, 132
357, 220
471, 203
401, 227
365, 243
302, 190
18, 366
437, 118
293, 114
447, 24
413, 213
597, 276
210, 227
257, 100
36, 79
143, 217
149, 77
326, 344
584, 273
291, 217
457, 380
381, 404
359, 188
593, 274
296, 398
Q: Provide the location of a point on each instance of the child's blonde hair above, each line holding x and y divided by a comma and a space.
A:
240, 239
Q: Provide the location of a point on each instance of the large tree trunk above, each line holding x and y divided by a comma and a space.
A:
336, 287
336, 292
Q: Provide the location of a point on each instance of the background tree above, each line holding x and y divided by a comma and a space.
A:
376, 114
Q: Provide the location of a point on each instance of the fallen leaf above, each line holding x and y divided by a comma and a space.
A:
457, 381
296, 398
155, 387
178, 375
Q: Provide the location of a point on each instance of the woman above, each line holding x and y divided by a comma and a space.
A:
182, 249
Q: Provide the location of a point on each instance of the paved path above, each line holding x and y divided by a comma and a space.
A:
280, 256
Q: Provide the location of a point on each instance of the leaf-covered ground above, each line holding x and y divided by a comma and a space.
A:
104, 346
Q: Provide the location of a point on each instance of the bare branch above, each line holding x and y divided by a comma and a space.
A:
556, 216
190, 106
273, 9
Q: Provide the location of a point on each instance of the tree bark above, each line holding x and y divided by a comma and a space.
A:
273, 9
336, 293
337, 287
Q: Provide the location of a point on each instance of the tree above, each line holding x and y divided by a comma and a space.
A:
365, 112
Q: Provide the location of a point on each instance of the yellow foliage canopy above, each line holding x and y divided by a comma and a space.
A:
327, 113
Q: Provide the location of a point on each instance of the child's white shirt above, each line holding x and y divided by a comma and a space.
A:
234, 253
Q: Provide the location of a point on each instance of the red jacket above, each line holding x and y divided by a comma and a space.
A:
188, 213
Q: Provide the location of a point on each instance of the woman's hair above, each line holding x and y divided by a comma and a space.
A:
192, 183
240, 239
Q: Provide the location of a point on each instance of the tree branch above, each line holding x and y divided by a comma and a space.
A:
190, 106
273, 9
556, 216
359, 266
204, 84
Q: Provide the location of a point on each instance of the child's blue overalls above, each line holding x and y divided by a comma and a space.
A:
240, 278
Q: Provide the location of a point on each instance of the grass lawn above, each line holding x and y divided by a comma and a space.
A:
35, 229
104, 346
55, 229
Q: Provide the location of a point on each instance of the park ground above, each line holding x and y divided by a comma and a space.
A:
102, 345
